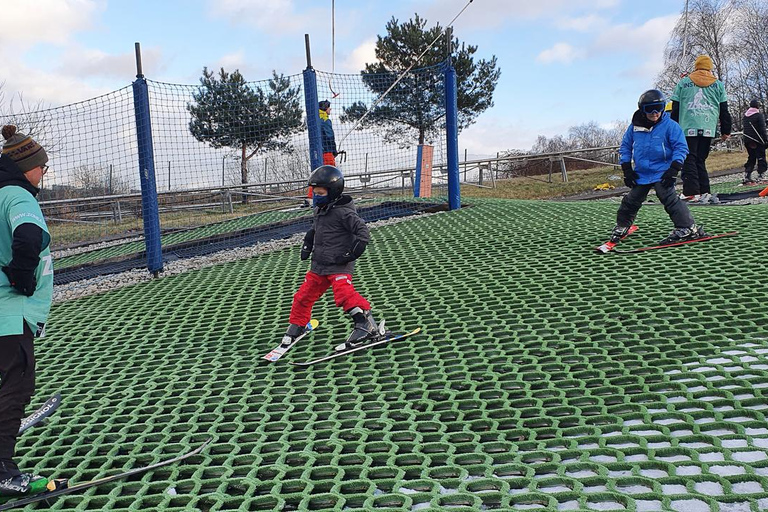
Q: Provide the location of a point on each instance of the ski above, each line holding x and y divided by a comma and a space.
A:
58, 488
279, 351
609, 246
45, 410
652, 247
387, 338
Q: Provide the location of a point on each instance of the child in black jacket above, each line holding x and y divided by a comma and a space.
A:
337, 238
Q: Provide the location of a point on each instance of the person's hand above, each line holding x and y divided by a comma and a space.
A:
725, 136
353, 253
23, 281
309, 242
669, 178
630, 176
344, 258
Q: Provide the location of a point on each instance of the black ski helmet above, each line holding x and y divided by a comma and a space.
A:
324, 105
755, 103
652, 100
329, 177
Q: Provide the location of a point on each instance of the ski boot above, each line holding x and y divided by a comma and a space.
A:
748, 177
14, 483
684, 235
618, 233
365, 329
293, 332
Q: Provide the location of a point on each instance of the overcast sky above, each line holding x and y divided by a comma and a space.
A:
563, 62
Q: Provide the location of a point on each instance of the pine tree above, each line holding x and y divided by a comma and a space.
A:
252, 117
416, 104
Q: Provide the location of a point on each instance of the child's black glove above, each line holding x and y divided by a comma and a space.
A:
309, 242
23, 281
670, 175
630, 176
351, 255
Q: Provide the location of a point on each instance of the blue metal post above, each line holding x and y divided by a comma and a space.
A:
452, 137
313, 118
313, 111
149, 206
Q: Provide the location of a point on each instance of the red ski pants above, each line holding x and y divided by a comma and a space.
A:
313, 287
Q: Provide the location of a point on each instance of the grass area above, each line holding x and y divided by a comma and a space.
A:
580, 181
66, 234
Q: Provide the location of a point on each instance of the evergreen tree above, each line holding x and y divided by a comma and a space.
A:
415, 106
254, 118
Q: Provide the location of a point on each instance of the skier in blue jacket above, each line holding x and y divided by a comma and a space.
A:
658, 147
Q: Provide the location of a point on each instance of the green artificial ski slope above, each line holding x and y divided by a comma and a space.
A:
547, 377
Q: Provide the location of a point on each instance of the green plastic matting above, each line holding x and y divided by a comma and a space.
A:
547, 376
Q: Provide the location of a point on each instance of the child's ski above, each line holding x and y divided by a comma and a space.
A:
45, 410
61, 487
280, 350
389, 337
609, 246
652, 247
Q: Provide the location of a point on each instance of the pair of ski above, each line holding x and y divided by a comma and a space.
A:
611, 246
279, 351
61, 487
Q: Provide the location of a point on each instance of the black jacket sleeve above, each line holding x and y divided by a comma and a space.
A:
675, 114
726, 123
26, 247
761, 128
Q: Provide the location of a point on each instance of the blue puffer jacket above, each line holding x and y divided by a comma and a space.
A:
653, 149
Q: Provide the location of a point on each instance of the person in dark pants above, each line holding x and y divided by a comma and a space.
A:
756, 140
337, 238
698, 102
26, 290
658, 147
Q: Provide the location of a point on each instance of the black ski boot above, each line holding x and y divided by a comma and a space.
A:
293, 332
684, 235
365, 329
15, 483
618, 233
747, 177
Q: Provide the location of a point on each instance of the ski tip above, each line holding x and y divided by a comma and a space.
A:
312, 325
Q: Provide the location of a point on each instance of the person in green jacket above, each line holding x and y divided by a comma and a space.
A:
698, 102
26, 291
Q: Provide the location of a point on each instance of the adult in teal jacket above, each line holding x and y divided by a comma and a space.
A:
658, 147
26, 290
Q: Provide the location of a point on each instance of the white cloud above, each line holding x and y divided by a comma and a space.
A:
273, 16
582, 23
359, 57
562, 53
647, 41
50, 21
494, 13
87, 62
496, 133
231, 61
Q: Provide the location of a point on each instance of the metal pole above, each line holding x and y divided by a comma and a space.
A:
139, 71
169, 175
309, 55
685, 33
222, 169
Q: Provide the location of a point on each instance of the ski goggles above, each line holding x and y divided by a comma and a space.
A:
654, 108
